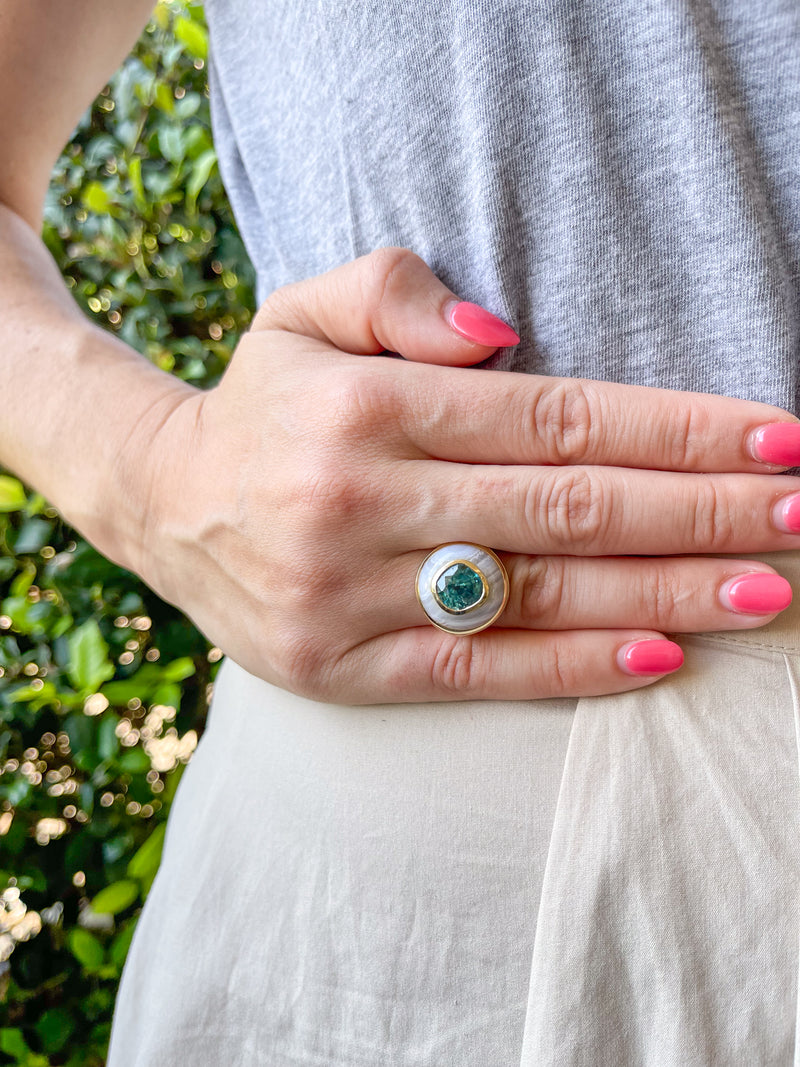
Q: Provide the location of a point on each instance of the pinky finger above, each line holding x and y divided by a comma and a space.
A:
423, 664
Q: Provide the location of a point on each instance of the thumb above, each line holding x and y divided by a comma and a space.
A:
389, 300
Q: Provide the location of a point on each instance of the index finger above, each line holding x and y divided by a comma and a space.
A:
472, 416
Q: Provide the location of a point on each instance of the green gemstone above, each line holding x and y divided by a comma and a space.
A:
459, 588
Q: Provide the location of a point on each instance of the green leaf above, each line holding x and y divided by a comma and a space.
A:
55, 1027
12, 494
170, 141
13, 1043
169, 694
115, 897
201, 172
135, 178
89, 665
107, 740
145, 861
23, 581
32, 535
26, 694
193, 36
122, 942
96, 199
86, 949
179, 669
164, 100
134, 761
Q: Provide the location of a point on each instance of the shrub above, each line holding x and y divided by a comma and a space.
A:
104, 687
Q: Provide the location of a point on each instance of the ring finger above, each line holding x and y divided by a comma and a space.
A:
683, 594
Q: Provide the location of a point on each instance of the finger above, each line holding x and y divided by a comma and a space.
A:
605, 511
389, 300
684, 595
424, 664
506, 417
673, 595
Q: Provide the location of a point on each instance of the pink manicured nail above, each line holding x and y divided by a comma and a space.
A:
650, 657
478, 325
786, 514
756, 594
779, 442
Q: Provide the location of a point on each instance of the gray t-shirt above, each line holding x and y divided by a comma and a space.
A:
617, 179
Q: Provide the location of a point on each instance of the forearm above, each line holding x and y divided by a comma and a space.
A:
79, 407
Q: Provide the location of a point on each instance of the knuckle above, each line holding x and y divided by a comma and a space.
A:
387, 264
537, 589
570, 502
389, 268
279, 310
564, 420
454, 668
327, 495
687, 436
710, 517
562, 668
356, 405
662, 594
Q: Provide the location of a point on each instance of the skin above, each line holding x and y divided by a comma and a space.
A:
287, 510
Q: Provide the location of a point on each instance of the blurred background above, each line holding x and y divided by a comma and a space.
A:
103, 687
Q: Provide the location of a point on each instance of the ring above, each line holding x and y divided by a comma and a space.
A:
462, 588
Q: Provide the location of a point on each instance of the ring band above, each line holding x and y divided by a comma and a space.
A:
462, 588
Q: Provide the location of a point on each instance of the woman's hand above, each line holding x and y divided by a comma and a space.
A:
290, 507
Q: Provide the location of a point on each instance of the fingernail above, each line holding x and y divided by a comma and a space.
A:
478, 325
756, 594
650, 657
779, 442
786, 514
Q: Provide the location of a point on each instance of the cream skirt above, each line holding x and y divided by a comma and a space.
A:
604, 882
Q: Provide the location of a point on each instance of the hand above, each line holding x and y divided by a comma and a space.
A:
290, 507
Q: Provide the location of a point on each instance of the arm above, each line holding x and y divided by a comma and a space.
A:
72, 394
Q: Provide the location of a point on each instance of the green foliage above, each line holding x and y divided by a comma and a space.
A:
103, 687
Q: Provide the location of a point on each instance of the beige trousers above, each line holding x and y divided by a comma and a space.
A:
609, 881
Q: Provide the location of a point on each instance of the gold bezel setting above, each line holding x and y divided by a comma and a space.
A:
478, 616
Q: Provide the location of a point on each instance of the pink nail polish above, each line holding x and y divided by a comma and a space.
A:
650, 657
756, 594
779, 442
786, 514
478, 325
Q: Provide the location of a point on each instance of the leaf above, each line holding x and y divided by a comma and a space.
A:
13, 1043
12, 494
135, 178
169, 694
55, 1027
47, 694
80, 730
179, 669
32, 536
201, 171
193, 36
86, 949
115, 897
170, 141
96, 199
146, 860
23, 581
134, 761
121, 943
89, 665
107, 740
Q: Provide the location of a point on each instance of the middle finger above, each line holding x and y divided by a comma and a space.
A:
603, 511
